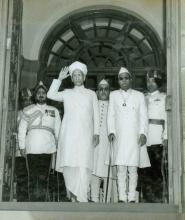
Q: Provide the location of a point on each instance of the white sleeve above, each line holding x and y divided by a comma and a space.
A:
57, 124
165, 135
22, 130
143, 117
111, 116
96, 114
53, 93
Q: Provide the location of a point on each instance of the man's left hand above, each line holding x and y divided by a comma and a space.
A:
95, 140
142, 140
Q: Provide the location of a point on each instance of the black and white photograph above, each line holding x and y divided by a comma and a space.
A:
92, 109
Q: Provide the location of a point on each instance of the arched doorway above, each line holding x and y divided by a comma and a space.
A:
104, 39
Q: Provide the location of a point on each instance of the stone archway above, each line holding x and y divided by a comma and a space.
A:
104, 39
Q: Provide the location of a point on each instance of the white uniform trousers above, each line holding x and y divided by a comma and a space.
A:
123, 172
98, 195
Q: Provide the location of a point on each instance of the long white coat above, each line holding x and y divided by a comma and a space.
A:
80, 123
100, 169
127, 123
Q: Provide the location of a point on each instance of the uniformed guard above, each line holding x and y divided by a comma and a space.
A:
127, 129
79, 132
100, 168
38, 136
25, 99
155, 179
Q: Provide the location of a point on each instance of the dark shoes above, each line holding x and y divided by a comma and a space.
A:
121, 201
90, 201
132, 201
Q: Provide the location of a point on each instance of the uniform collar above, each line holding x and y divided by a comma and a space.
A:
41, 106
126, 92
154, 93
104, 101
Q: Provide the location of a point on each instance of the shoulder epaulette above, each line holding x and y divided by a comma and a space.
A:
25, 111
163, 93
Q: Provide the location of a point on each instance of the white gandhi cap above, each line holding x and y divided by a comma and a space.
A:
124, 70
103, 82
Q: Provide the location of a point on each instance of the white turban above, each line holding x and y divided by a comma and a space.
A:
78, 66
103, 82
124, 70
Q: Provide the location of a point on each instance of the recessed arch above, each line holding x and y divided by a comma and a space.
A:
104, 39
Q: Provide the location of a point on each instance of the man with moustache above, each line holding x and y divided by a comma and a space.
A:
79, 132
38, 134
127, 129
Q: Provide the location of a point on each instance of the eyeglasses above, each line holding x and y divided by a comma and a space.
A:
103, 89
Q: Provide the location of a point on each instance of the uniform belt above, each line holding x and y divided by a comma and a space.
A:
41, 127
156, 121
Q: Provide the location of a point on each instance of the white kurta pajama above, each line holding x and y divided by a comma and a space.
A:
100, 167
127, 119
75, 146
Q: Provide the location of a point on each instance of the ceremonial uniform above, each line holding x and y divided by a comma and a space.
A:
38, 134
127, 120
157, 132
75, 146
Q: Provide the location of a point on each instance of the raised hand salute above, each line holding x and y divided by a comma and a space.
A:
64, 73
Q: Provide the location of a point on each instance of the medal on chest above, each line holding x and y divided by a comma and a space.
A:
124, 98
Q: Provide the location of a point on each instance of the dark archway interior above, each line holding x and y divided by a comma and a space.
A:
105, 40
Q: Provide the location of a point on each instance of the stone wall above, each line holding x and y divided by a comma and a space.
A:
182, 61
39, 16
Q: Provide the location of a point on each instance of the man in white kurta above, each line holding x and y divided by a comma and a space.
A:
100, 168
127, 128
79, 133
38, 134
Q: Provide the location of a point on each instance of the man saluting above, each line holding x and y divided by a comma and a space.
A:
79, 130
